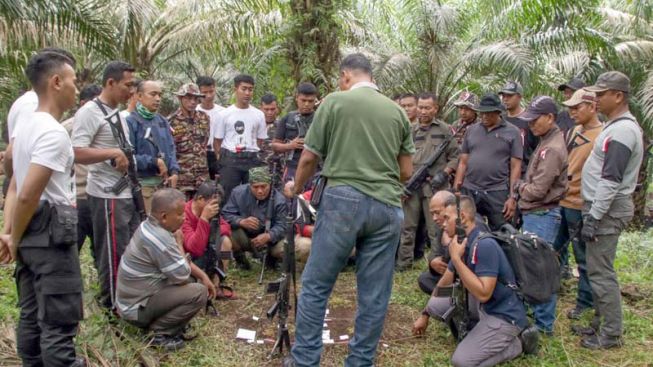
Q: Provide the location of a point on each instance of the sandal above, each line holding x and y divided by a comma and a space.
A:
226, 293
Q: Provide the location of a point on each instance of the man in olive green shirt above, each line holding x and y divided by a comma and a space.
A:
364, 139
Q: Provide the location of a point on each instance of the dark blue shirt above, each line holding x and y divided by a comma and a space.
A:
160, 144
485, 258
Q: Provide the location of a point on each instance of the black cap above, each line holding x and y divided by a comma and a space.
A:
512, 87
541, 105
490, 103
573, 84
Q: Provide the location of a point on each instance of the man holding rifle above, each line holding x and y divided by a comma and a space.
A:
431, 136
96, 144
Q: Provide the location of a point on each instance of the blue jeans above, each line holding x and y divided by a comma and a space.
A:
348, 218
571, 222
545, 225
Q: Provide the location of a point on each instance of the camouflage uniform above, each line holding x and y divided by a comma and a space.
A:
190, 135
461, 133
469, 100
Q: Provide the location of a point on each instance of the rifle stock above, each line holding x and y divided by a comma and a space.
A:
421, 175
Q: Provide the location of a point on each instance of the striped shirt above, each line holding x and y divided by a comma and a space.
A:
151, 261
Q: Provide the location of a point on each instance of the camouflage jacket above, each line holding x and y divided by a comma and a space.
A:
190, 135
461, 134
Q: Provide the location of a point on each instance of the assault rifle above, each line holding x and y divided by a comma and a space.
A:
268, 219
281, 287
211, 266
422, 174
131, 177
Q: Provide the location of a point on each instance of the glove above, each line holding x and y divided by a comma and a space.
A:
439, 180
588, 232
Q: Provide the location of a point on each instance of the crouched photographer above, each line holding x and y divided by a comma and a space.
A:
502, 317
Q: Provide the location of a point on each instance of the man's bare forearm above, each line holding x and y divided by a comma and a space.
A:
305, 169
10, 204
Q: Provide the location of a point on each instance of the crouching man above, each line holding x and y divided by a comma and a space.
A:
199, 242
502, 316
155, 289
247, 211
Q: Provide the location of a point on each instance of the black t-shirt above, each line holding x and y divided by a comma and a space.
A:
488, 164
529, 141
291, 126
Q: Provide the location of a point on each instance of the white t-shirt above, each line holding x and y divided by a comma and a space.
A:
239, 128
25, 104
40, 139
213, 121
91, 130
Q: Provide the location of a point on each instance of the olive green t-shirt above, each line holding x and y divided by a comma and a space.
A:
360, 134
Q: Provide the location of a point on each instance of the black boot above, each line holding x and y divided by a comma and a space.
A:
167, 342
600, 341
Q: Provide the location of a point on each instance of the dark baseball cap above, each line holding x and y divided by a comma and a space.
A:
512, 87
573, 84
490, 103
540, 105
612, 80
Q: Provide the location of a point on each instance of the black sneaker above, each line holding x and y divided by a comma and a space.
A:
167, 342
530, 340
576, 313
601, 342
581, 330
188, 333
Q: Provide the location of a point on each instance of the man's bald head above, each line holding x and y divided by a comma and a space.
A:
168, 208
165, 200
438, 203
444, 197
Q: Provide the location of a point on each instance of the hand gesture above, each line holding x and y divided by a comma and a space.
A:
509, 208
120, 161
456, 249
420, 325
7, 249
261, 240
250, 223
438, 265
210, 210
163, 169
297, 143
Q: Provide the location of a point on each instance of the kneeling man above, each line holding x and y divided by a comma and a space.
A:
248, 210
155, 288
479, 263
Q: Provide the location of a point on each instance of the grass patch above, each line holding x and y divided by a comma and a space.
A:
216, 344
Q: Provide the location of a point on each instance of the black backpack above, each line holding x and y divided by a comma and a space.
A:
534, 262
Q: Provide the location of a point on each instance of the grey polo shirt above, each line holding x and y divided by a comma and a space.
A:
488, 165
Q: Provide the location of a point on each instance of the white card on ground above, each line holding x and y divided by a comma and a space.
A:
255, 318
260, 341
326, 334
344, 337
246, 334
328, 341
